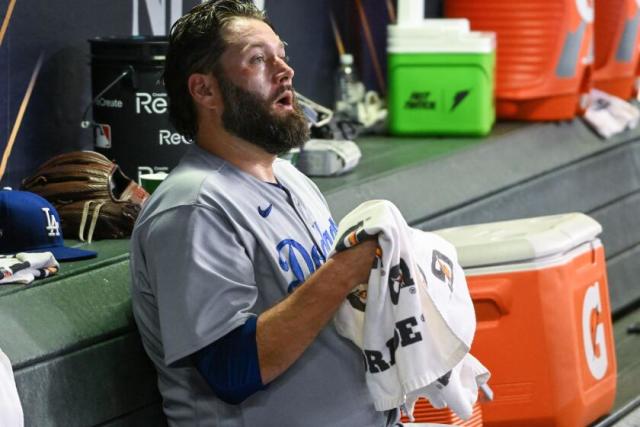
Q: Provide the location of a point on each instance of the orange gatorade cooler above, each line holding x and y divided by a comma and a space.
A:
616, 46
539, 288
544, 54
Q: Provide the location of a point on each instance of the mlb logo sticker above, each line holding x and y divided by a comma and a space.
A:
103, 135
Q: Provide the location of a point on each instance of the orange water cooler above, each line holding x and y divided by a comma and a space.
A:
616, 46
544, 54
539, 288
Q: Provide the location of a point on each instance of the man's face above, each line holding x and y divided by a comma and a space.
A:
256, 88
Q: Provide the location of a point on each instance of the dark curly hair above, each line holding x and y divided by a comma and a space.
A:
195, 45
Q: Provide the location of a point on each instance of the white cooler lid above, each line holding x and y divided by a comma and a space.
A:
443, 42
429, 27
520, 240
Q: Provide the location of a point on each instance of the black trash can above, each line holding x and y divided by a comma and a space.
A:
131, 117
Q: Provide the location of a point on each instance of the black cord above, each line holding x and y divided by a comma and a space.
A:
86, 123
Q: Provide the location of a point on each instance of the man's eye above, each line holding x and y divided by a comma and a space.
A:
257, 59
285, 58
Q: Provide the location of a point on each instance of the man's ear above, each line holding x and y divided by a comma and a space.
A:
204, 90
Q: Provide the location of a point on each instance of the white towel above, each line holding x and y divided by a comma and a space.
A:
458, 391
414, 320
609, 115
24, 268
10, 407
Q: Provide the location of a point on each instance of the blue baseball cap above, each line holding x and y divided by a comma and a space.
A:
29, 223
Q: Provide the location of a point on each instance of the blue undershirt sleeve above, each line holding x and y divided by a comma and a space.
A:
230, 364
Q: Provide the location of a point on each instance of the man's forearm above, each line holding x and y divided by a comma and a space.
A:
288, 328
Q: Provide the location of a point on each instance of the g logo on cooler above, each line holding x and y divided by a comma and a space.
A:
595, 349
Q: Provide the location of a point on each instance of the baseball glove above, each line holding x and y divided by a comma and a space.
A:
90, 193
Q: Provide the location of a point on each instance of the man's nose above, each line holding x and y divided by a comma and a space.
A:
284, 72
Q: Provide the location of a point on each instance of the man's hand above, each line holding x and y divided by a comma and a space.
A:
355, 263
288, 328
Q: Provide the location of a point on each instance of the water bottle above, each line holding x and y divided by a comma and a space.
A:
349, 90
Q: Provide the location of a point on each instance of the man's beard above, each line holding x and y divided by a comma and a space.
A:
247, 116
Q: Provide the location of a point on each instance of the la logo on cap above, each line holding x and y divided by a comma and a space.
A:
31, 224
53, 226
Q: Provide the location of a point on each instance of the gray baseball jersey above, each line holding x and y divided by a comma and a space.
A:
215, 245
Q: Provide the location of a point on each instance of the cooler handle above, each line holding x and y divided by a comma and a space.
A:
492, 299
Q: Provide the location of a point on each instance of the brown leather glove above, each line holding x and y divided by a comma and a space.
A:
94, 198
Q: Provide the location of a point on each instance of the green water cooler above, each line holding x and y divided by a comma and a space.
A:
441, 78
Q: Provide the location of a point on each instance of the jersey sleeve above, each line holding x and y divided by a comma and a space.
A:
203, 277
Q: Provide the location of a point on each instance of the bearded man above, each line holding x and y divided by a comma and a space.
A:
233, 289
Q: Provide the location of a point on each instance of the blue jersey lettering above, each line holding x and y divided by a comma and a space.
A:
290, 251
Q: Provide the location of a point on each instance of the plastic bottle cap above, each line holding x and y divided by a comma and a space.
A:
346, 59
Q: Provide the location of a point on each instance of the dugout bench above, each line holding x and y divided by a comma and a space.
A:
73, 344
